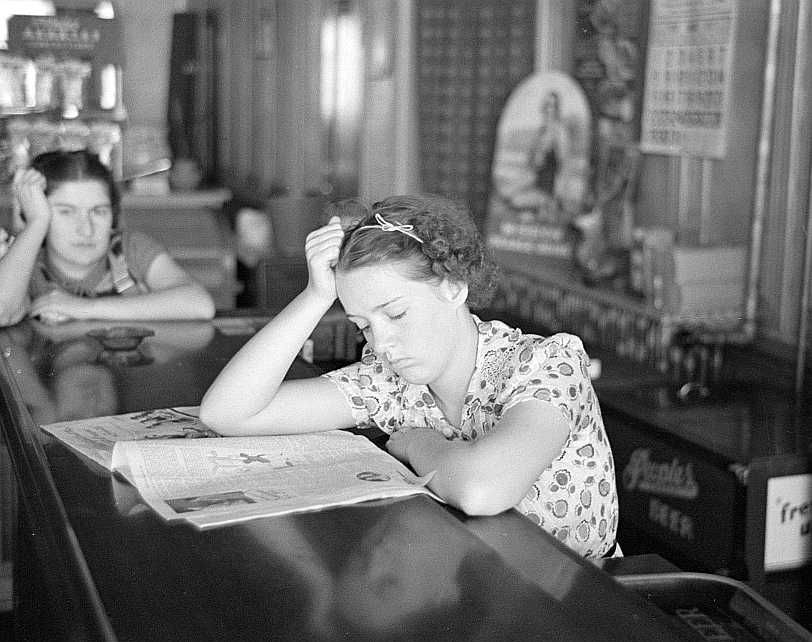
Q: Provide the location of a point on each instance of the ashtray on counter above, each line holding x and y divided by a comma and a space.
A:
121, 337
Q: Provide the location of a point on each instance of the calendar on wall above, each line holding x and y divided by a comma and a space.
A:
688, 77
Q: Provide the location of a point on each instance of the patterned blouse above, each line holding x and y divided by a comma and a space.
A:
574, 498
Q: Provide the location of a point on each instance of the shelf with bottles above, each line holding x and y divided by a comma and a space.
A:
69, 63
61, 88
22, 137
551, 295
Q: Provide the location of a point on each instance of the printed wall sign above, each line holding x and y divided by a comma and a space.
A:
74, 35
688, 77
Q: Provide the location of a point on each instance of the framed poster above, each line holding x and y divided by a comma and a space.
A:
541, 166
688, 77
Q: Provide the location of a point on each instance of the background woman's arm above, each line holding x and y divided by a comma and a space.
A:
16, 267
18, 258
173, 295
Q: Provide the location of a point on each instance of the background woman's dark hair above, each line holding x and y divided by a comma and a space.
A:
452, 245
61, 166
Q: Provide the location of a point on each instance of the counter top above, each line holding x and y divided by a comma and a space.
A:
112, 569
740, 421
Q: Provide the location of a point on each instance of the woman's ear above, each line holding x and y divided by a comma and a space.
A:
454, 291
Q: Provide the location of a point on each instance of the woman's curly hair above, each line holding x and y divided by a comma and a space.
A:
452, 246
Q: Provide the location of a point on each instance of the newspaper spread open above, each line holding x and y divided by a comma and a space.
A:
216, 481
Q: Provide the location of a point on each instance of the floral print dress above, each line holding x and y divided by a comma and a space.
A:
575, 498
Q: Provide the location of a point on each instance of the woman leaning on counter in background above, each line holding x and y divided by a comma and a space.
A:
497, 418
65, 255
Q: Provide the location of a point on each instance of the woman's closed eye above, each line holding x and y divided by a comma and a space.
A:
99, 211
102, 211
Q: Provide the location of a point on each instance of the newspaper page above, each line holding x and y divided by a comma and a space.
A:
95, 437
214, 482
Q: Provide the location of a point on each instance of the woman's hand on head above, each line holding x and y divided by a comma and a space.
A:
321, 249
29, 190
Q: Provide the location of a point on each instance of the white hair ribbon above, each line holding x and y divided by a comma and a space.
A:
386, 226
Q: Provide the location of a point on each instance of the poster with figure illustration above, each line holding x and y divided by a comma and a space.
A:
541, 166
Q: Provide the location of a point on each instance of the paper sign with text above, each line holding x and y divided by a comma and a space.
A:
788, 533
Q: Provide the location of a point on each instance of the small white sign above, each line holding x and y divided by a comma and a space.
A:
788, 533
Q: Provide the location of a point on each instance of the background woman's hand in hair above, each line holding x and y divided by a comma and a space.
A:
321, 248
29, 190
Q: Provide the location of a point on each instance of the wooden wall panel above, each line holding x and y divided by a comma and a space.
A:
299, 131
265, 72
240, 78
797, 180
658, 200
268, 71
789, 203
772, 263
731, 192
224, 56
378, 162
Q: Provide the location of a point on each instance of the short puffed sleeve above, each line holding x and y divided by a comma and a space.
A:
554, 370
372, 391
140, 250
